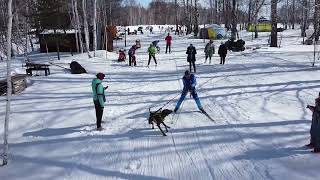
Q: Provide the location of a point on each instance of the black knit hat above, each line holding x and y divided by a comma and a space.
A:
187, 72
100, 76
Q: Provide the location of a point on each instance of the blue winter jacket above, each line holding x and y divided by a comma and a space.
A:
189, 84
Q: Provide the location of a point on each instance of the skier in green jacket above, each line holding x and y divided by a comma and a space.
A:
98, 97
152, 53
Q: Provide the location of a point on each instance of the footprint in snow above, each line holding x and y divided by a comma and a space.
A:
134, 165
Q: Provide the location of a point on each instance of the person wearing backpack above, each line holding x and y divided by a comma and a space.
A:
99, 98
152, 54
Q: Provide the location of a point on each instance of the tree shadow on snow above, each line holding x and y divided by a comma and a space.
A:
47, 132
266, 153
83, 167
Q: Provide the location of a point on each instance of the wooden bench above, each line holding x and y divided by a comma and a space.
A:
37, 67
19, 83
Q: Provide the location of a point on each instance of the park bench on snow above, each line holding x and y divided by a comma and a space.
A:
37, 67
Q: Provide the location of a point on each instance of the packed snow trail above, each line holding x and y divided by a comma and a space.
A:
257, 100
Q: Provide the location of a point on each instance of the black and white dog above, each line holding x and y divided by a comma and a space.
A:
157, 117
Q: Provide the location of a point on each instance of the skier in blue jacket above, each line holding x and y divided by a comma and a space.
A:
98, 97
189, 85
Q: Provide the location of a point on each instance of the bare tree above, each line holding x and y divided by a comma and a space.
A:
196, 18
86, 28
78, 24
293, 18
94, 27
316, 19
287, 14
176, 16
9, 84
257, 4
234, 20
74, 23
274, 35
305, 18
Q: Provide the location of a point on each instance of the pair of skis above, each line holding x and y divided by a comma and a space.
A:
206, 114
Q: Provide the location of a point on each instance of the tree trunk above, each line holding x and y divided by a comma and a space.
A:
316, 20
293, 14
57, 44
187, 18
234, 20
211, 11
257, 6
31, 44
196, 18
86, 30
176, 16
26, 36
75, 25
287, 15
274, 35
94, 27
216, 12
9, 85
78, 25
305, 19
249, 21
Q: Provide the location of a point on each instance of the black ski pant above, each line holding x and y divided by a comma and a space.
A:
208, 56
192, 63
222, 59
168, 46
132, 60
154, 58
99, 113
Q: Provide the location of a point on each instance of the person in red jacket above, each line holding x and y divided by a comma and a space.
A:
168, 40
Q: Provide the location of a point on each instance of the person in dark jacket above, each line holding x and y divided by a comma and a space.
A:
168, 43
315, 126
98, 97
191, 51
132, 55
222, 53
209, 51
189, 85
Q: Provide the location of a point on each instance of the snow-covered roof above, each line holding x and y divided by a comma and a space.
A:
59, 31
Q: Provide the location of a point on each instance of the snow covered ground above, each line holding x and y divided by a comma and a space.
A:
257, 100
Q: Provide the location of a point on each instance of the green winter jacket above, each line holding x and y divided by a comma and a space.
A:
209, 49
98, 92
152, 50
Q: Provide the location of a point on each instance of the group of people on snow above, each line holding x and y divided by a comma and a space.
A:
191, 52
189, 85
209, 50
99, 99
152, 50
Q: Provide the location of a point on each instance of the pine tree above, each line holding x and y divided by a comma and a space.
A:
51, 15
